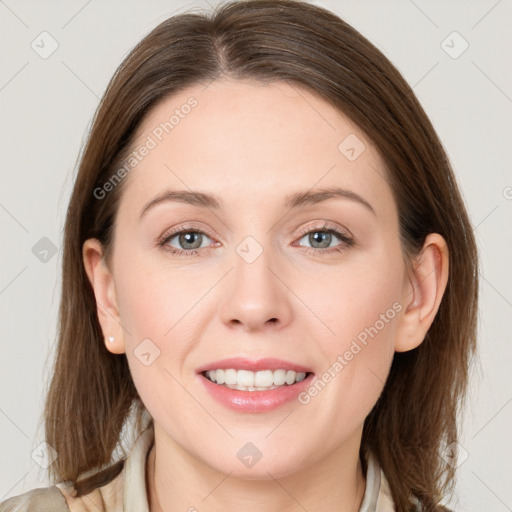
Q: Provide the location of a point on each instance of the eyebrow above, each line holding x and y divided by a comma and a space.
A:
295, 200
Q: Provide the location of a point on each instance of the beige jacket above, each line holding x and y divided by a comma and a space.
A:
127, 492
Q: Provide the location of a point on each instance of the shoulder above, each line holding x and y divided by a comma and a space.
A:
43, 499
101, 499
128, 487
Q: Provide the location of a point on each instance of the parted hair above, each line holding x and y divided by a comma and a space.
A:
91, 393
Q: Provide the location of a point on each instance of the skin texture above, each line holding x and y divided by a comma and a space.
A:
252, 145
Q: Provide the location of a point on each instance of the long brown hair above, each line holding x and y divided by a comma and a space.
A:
91, 393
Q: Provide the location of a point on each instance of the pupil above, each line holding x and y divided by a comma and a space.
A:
321, 236
185, 239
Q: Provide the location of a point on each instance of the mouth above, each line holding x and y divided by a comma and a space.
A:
254, 386
261, 380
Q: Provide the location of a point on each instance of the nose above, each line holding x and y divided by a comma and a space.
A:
256, 297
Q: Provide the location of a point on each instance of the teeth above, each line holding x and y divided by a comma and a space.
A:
220, 377
246, 380
279, 377
264, 378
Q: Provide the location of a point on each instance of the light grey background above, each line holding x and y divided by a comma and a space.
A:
46, 108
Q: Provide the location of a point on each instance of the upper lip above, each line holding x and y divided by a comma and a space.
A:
244, 363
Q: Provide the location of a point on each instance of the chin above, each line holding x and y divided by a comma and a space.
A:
256, 469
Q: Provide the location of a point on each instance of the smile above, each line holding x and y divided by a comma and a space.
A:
248, 385
246, 380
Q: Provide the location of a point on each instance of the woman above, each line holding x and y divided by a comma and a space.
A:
260, 367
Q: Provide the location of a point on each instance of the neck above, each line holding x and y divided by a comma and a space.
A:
176, 482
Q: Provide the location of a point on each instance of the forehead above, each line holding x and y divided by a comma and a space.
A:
253, 143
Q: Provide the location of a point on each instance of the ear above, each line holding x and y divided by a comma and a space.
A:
423, 292
102, 283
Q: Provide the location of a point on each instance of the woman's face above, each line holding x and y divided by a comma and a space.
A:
260, 275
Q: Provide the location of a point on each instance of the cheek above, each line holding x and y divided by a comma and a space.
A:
358, 346
355, 299
369, 314
155, 301
153, 312
148, 307
161, 312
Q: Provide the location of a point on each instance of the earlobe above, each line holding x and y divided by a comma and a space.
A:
423, 293
103, 285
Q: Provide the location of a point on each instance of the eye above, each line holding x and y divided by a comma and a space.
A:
188, 241
322, 238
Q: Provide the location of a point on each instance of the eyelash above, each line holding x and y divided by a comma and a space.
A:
345, 239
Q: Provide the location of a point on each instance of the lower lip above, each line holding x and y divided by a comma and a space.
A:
255, 401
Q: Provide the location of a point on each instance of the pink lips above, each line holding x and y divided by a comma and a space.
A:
254, 401
241, 363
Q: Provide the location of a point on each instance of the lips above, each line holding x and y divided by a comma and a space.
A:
249, 399
242, 363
